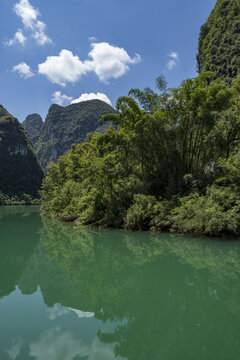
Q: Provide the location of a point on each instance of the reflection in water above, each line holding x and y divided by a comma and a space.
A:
18, 239
67, 347
15, 348
111, 293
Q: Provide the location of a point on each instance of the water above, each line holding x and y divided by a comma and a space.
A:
68, 294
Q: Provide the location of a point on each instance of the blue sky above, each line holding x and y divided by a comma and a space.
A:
66, 51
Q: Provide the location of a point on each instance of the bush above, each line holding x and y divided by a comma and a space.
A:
161, 220
213, 214
147, 213
25, 199
140, 213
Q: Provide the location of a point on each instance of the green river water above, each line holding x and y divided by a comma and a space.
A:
68, 294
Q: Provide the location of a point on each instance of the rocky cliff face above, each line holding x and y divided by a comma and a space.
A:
20, 171
219, 41
65, 126
33, 125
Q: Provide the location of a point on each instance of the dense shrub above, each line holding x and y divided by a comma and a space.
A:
215, 213
147, 213
24, 199
141, 212
165, 147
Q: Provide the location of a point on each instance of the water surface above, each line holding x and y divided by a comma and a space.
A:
68, 294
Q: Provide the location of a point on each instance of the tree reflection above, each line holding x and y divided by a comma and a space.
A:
19, 237
170, 294
167, 296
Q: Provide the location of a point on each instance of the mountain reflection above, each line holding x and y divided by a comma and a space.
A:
18, 239
166, 295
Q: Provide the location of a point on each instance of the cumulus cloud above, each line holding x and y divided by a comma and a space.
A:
107, 62
110, 61
91, 96
24, 70
18, 38
173, 59
62, 68
29, 16
60, 99
27, 13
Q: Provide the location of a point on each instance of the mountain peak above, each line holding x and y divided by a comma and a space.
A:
3, 111
67, 125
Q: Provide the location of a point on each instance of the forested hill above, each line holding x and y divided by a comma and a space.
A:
173, 163
33, 125
20, 172
219, 41
65, 126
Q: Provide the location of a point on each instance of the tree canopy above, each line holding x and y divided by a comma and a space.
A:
167, 146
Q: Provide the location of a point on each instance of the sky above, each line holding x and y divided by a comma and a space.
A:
67, 51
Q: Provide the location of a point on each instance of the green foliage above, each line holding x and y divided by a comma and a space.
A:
147, 213
167, 146
22, 199
93, 182
140, 214
20, 171
215, 213
219, 41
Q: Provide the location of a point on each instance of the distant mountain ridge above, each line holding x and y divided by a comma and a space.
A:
65, 126
20, 171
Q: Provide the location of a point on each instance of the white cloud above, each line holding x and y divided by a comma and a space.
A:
171, 64
91, 96
29, 16
60, 99
27, 13
110, 61
24, 70
39, 34
173, 59
107, 62
18, 38
92, 39
62, 68
174, 55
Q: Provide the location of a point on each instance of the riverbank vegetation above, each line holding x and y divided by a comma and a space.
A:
172, 164
23, 199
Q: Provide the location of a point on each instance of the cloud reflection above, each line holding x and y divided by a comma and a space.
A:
55, 344
15, 348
